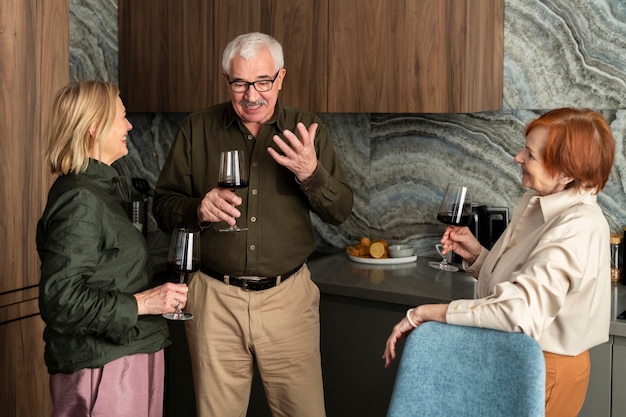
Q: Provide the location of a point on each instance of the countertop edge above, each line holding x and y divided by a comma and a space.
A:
617, 327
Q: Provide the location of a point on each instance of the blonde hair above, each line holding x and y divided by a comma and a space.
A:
82, 112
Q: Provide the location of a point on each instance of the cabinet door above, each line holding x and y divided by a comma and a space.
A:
24, 377
340, 55
165, 53
34, 46
170, 51
415, 55
598, 399
302, 29
618, 405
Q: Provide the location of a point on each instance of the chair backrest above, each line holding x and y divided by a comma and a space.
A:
450, 371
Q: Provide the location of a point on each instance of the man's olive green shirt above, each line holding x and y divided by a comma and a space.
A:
275, 209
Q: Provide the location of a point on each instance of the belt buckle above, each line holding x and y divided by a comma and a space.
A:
247, 281
244, 284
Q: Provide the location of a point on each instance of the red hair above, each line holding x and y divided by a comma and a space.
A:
579, 144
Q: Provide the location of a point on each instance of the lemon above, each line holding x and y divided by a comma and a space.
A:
377, 250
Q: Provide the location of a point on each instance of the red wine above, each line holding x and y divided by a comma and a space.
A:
174, 265
447, 218
240, 184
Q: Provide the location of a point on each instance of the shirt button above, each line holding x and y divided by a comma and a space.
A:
250, 137
254, 192
253, 219
255, 164
252, 247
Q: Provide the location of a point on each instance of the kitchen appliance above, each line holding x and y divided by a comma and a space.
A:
487, 224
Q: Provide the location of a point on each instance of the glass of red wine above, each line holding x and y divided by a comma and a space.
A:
455, 210
233, 174
183, 257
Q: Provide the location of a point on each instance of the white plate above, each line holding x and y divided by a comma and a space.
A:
384, 261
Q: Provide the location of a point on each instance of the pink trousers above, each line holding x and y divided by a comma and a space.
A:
131, 386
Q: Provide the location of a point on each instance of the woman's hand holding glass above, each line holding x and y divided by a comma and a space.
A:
455, 210
461, 241
162, 299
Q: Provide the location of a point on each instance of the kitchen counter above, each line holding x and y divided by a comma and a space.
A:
359, 306
415, 283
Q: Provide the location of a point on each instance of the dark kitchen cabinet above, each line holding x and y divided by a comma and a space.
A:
415, 56
598, 399
353, 335
300, 27
618, 378
165, 54
607, 382
340, 55
170, 51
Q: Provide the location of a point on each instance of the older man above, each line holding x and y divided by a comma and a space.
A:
254, 301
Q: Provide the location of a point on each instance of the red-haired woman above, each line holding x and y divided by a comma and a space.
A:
548, 274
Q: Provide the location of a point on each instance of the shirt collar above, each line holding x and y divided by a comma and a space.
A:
553, 204
102, 174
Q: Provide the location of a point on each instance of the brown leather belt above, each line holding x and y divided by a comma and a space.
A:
250, 284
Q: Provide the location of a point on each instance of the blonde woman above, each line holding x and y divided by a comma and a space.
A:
104, 334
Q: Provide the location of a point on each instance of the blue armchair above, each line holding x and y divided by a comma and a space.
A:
450, 371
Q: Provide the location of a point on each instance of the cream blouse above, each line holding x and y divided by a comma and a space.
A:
547, 276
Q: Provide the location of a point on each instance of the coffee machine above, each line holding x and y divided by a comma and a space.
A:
488, 223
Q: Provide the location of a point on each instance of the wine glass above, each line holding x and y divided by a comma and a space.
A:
443, 264
455, 210
183, 257
233, 174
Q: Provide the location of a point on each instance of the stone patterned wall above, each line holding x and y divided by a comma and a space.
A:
556, 53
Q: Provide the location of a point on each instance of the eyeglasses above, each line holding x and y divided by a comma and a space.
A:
239, 86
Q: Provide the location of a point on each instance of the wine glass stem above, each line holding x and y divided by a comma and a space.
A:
182, 281
234, 226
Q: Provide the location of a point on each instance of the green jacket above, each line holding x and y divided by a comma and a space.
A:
92, 262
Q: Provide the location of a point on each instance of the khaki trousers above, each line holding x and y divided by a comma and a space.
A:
567, 378
277, 328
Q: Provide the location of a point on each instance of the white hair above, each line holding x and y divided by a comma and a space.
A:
249, 45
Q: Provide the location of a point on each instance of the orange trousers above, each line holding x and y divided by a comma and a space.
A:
567, 378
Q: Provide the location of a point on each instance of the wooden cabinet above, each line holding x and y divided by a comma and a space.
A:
170, 51
416, 56
34, 45
340, 55
166, 60
300, 27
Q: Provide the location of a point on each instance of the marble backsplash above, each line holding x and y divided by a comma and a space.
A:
556, 53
